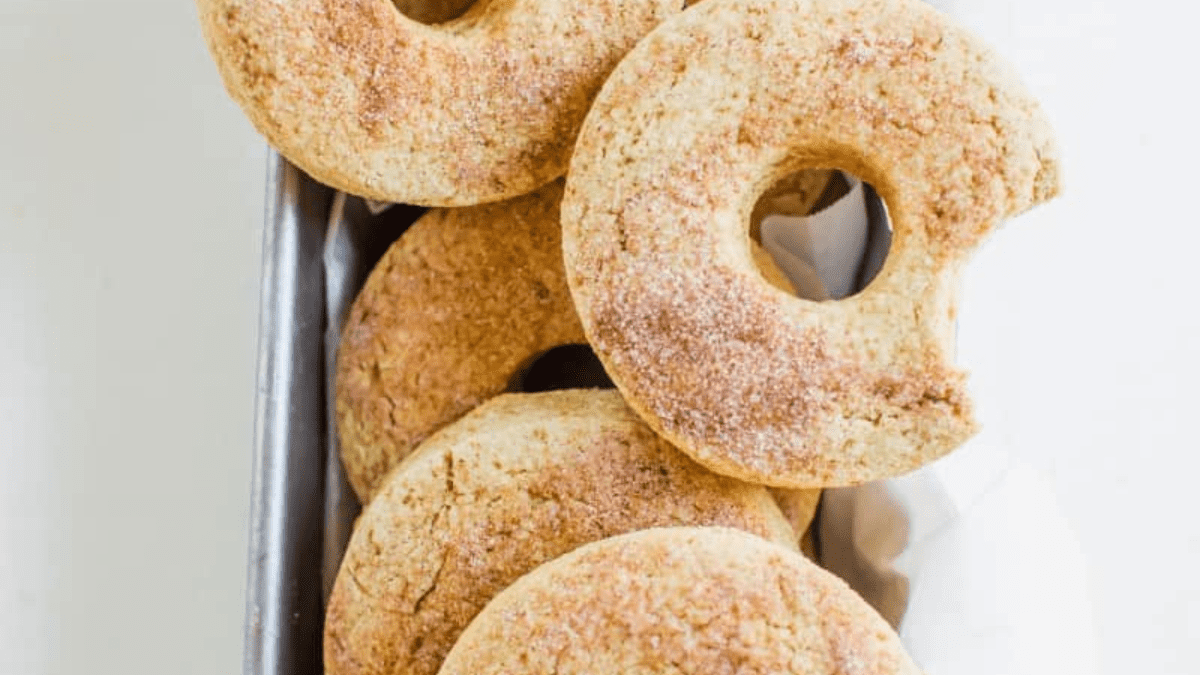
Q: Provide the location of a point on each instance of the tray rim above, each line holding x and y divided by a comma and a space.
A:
283, 616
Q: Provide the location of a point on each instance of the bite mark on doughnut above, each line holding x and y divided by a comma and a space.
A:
673, 154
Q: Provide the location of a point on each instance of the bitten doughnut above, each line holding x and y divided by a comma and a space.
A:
482, 108
519, 481
707, 111
679, 600
455, 309
798, 506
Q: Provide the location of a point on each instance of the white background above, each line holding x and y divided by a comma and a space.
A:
131, 194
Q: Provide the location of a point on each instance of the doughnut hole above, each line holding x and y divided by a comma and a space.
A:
814, 272
430, 12
563, 367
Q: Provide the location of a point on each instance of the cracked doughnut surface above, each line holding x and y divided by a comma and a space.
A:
683, 600
482, 108
455, 309
701, 116
520, 480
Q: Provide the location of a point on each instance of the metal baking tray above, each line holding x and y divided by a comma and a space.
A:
301, 508
283, 606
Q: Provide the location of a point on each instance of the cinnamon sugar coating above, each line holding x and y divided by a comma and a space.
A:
679, 600
456, 308
706, 112
482, 108
519, 481
799, 506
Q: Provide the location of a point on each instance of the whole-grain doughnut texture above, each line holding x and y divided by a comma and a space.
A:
454, 310
482, 108
521, 480
714, 106
692, 600
799, 506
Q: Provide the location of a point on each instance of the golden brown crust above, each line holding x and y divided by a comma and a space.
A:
679, 600
519, 481
379, 105
452, 312
712, 107
799, 507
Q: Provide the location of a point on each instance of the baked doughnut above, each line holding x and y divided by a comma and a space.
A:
455, 309
799, 506
709, 109
519, 481
482, 108
679, 600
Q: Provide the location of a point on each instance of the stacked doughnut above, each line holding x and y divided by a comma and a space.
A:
654, 527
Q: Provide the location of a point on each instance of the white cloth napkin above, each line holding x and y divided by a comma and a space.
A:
969, 557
